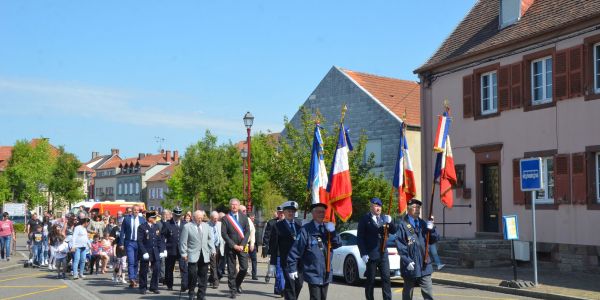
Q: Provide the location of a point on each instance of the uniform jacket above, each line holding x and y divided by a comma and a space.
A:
231, 236
411, 246
282, 238
370, 237
150, 240
126, 228
221, 248
267, 234
309, 251
192, 242
171, 232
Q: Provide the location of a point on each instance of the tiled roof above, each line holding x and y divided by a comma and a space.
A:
163, 175
479, 31
85, 168
395, 94
113, 163
5, 152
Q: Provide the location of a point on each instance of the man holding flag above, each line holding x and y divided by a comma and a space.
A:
340, 185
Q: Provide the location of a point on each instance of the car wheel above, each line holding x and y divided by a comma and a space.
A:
351, 270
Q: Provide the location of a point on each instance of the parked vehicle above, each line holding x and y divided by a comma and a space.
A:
347, 263
115, 206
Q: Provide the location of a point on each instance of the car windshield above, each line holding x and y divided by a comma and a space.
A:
348, 239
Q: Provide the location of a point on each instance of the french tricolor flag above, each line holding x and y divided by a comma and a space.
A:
404, 177
317, 175
439, 143
340, 185
447, 176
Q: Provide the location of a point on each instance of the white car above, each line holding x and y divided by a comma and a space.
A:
347, 262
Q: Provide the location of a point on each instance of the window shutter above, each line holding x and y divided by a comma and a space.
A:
588, 76
516, 84
575, 72
526, 83
468, 96
562, 186
560, 82
518, 195
504, 88
579, 179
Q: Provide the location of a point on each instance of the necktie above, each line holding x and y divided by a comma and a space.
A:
214, 228
292, 228
378, 221
235, 217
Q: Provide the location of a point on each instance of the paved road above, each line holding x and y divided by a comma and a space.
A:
26, 283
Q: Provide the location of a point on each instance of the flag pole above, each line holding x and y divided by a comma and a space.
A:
446, 109
331, 218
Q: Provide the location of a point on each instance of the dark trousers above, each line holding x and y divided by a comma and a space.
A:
383, 264
252, 256
94, 262
425, 284
143, 278
215, 275
318, 292
198, 273
170, 266
234, 277
292, 288
222, 265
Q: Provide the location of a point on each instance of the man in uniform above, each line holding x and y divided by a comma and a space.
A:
370, 245
283, 236
410, 240
151, 246
235, 231
310, 251
277, 215
172, 231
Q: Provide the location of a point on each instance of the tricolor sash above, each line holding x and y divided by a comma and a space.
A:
236, 226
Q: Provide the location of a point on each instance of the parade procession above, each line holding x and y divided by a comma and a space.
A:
300, 150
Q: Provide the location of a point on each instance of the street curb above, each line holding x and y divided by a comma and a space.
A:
500, 289
19, 263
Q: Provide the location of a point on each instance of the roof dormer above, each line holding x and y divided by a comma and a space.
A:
511, 11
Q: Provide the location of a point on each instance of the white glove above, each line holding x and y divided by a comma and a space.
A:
411, 266
430, 225
293, 276
365, 258
146, 256
163, 254
272, 269
330, 227
387, 219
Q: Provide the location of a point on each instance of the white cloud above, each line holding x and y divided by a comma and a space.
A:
30, 97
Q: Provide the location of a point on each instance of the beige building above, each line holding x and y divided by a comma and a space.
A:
522, 79
156, 188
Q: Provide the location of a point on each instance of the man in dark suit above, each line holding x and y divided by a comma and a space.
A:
129, 243
235, 230
172, 231
283, 236
151, 246
370, 244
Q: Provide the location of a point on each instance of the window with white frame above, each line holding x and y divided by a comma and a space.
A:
160, 193
137, 188
541, 80
120, 189
597, 177
597, 68
546, 196
152, 193
489, 93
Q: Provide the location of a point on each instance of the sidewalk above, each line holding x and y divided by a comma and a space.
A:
552, 284
16, 259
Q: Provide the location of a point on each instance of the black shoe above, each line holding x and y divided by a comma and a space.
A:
254, 277
183, 289
155, 292
267, 279
191, 297
143, 292
232, 295
169, 288
239, 290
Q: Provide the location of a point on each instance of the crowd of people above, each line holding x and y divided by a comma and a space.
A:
207, 246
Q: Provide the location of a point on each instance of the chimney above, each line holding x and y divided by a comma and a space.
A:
114, 151
511, 11
162, 151
94, 154
168, 156
176, 156
141, 156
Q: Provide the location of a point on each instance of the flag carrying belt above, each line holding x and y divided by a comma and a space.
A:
236, 226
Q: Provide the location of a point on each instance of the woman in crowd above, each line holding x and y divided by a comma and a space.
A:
7, 234
79, 247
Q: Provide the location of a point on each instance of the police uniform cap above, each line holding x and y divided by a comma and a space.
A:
177, 211
289, 205
377, 201
279, 209
415, 201
151, 214
323, 205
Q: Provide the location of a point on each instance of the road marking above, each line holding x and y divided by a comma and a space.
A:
80, 290
31, 286
26, 276
461, 296
38, 292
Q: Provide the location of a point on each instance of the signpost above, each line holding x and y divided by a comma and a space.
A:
511, 232
531, 181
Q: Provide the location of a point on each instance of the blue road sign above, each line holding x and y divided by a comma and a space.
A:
531, 174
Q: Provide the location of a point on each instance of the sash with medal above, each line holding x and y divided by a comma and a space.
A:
238, 229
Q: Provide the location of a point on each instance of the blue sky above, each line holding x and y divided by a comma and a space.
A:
115, 74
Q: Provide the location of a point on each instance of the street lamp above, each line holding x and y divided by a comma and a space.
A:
248, 120
244, 154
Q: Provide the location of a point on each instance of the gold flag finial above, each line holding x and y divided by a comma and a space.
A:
446, 104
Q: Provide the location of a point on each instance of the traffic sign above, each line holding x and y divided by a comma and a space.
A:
531, 174
511, 227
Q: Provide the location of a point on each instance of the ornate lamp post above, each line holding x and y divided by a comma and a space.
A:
244, 154
248, 120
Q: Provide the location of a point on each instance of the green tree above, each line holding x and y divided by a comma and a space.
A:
28, 172
64, 185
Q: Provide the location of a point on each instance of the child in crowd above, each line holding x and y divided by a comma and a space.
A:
60, 256
96, 254
107, 251
120, 256
37, 240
